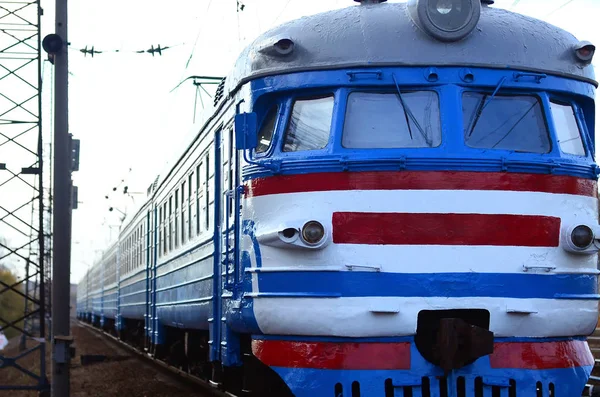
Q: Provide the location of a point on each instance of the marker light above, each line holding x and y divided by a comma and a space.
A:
582, 236
313, 232
446, 20
584, 51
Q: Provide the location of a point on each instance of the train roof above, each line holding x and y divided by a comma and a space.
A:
378, 35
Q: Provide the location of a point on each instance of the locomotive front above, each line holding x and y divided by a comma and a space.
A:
420, 214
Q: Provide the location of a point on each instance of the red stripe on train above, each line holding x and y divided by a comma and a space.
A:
445, 229
329, 355
348, 355
421, 180
543, 355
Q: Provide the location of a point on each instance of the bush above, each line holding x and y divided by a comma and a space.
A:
12, 305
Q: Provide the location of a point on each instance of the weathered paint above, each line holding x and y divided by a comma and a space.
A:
383, 228
353, 355
385, 35
545, 355
415, 180
565, 370
389, 316
331, 355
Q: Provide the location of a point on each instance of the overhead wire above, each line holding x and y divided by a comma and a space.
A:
560, 8
287, 3
197, 38
514, 4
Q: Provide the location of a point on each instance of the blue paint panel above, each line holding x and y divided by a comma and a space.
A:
315, 382
185, 315
183, 296
110, 305
452, 154
133, 300
240, 313
97, 305
355, 284
189, 274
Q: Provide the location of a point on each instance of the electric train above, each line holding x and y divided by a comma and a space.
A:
390, 199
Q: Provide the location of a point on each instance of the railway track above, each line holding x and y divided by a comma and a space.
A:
207, 388
211, 389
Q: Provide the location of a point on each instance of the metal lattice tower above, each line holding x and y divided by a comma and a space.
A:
22, 220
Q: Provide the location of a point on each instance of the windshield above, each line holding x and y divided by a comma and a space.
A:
265, 135
379, 120
567, 130
507, 122
310, 124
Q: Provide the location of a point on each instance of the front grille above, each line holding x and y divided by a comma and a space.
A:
440, 387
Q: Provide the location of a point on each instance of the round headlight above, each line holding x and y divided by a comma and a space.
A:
582, 236
313, 232
446, 20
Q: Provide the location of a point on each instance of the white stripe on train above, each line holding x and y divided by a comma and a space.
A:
322, 204
388, 317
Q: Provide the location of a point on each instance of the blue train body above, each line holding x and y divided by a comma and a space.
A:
385, 202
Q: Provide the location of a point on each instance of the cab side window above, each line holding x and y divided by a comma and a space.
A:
265, 135
567, 130
310, 124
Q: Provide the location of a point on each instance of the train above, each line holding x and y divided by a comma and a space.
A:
388, 199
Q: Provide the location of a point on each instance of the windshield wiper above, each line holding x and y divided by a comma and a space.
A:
482, 105
408, 113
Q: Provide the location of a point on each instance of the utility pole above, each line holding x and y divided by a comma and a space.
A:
57, 47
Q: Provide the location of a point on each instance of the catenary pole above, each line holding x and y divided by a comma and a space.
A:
61, 266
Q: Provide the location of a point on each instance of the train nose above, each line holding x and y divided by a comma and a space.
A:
452, 339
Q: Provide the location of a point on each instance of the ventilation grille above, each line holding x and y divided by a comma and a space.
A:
220, 92
438, 386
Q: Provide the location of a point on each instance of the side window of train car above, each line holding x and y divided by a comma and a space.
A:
567, 130
310, 124
164, 221
183, 213
386, 120
176, 220
191, 215
170, 224
207, 169
199, 197
265, 134
160, 231
505, 122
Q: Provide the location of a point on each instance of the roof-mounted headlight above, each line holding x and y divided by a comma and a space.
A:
446, 20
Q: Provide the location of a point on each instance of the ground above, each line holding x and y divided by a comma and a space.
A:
123, 375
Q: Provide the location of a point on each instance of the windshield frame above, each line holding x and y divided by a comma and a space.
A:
453, 144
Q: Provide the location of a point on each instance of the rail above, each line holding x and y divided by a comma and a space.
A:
205, 386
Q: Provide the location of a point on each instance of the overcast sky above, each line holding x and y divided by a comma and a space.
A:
121, 105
